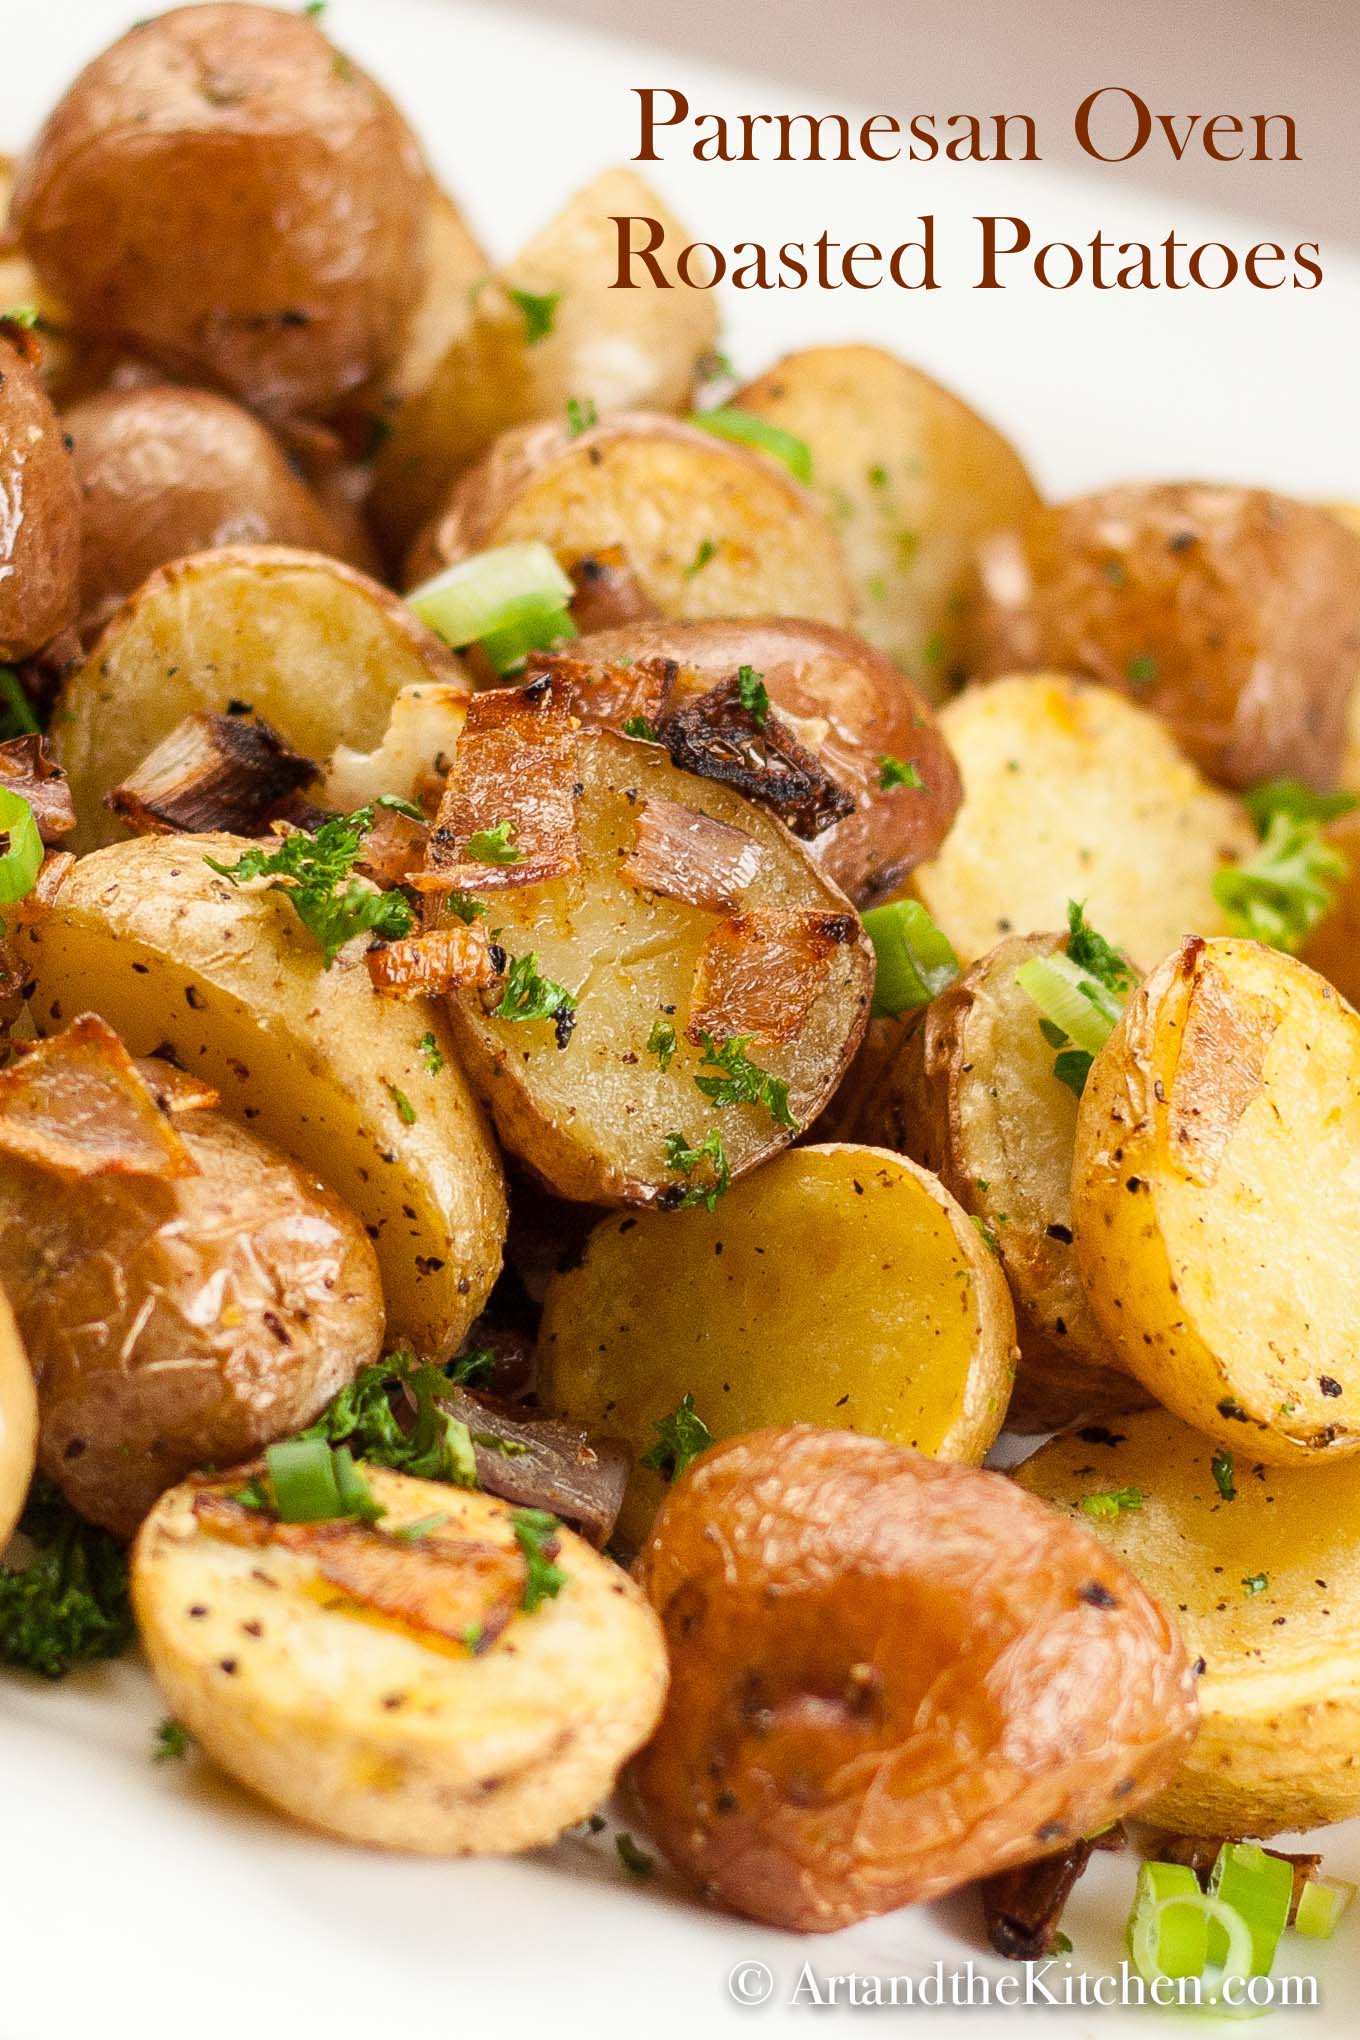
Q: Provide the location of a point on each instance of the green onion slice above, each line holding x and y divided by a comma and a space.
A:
729, 422
1321, 1904
356, 1496
302, 1473
1071, 998
1168, 1936
1260, 1889
493, 591
537, 626
21, 850
915, 959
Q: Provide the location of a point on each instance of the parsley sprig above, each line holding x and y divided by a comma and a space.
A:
684, 1160
364, 1417
742, 1082
753, 695
494, 846
314, 872
528, 995
71, 1604
1279, 895
680, 1438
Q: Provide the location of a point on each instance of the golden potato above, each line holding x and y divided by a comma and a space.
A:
546, 331
1215, 1200
455, 261
889, 1677
1333, 948
1071, 793
234, 199
427, 1705
850, 705
1231, 613
912, 1337
315, 648
707, 528
39, 509
183, 1302
1265, 1589
911, 478
18, 1423
65, 364
971, 1095
593, 1104
231, 984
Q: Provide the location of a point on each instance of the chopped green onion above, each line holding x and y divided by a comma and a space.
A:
916, 961
356, 1495
537, 628
1070, 998
306, 1487
493, 593
1321, 1904
1260, 1889
744, 426
1168, 1935
21, 850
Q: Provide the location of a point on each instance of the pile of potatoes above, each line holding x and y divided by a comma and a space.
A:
258, 378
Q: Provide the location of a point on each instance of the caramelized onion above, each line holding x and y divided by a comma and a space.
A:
26, 769
718, 738
439, 961
79, 1105
515, 765
688, 856
227, 773
761, 973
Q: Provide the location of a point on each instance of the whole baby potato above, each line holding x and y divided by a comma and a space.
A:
18, 1423
234, 199
175, 1322
1233, 614
39, 510
890, 1676
164, 472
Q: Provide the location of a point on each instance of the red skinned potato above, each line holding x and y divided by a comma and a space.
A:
1231, 613
39, 509
890, 1676
165, 472
236, 200
849, 703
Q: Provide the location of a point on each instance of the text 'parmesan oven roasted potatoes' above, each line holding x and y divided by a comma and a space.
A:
454, 1677
186, 1294
1216, 1199
1259, 1567
841, 1285
889, 1676
18, 1423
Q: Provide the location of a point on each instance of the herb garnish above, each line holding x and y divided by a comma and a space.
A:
430, 1053
707, 550
406, 1111
742, 1082
71, 1604
1221, 1467
661, 1043
685, 1159
313, 872
464, 906
1115, 1503
638, 726
16, 710
538, 313
1256, 1583
1279, 895
581, 415
753, 695
363, 1416
494, 846
528, 995
171, 1743
680, 1438
536, 1535
898, 772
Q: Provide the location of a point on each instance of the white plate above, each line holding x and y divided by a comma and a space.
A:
139, 1900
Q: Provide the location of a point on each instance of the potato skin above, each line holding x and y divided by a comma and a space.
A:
235, 201
39, 513
871, 710
18, 1423
1231, 613
184, 1322
889, 1677
166, 471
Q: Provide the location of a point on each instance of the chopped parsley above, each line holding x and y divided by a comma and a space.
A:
463, 906
1279, 895
1142, 669
1221, 1467
494, 846
27, 316
680, 1438
538, 313
684, 1160
1117, 1502
1256, 1583
740, 1081
1090, 951
661, 1043
581, 415
878, 476
898, 772
707, 551
536, 1535
314, 874
363, 1416
16, 710
753, 695
171, 1743
71, 1604
406, 1111
986, 1235
635, 1860
528, 995
638, 726
431, 1054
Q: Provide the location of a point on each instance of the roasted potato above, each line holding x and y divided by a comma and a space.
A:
64, 366
547, 330
318, 650
428, 1704
455, 261
235, 200
1215, 1200
889, 1677
39, 508
706, 528
18, 1423
851, 706
164, 472
1261, 1567
1231, 613
591, 1100
1071, 793
185, 1293
1333, 948
911, 1336
230, 984
971, 1095
911, 478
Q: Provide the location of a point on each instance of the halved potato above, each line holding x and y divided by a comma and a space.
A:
591, 1110
971, 1094
231, 986
911, 478
455, 261
316, 648
707, 528
838, 1285
548, 328
398, 1691
1333, 948
1070, 792
1265, 1588
18, 1423
1216, 1198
